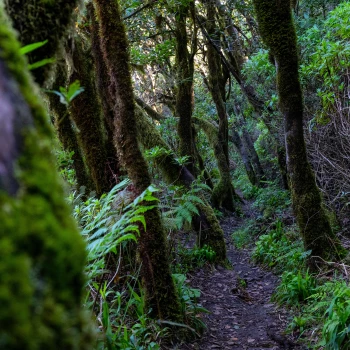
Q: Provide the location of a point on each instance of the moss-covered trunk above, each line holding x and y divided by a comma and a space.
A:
234, 57
206, 224
277, 30
42, 252
160, 291
184, 87
223, 193
237, 141
38, 21
65, 130
85, 111
103, 84
253, 157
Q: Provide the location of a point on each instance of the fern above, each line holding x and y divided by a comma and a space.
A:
106, 225
184, 207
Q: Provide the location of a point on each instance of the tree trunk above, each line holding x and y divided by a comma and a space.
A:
159, 287
184, 88
206, 224
253, 157
85, 111
233, 59
42, 252
103, 84
223, 194
237, 141
64, 128
277, 30
38, 21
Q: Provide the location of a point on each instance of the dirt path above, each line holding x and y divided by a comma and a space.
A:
241, 313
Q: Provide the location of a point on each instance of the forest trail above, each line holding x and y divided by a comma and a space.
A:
242, 315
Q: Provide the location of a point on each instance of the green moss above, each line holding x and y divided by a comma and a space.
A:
64, 128
43, 255
223, 194
161, 296
184, 88
213, 235
38, 20
85, 111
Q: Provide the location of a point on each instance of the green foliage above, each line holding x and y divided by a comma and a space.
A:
65, 166
272, 201
244, 236
67, 95
336, 330
328, 51
196, 257
31, 47
259, 72
295, 288
189, 303
280, 250
183, 205
107, 224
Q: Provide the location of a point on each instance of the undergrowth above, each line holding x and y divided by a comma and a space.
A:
110, 226
320, 303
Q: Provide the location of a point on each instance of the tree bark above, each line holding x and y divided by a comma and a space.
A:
65, 130
159, 287
103, 84
237, 141
184, 88
223, 194
277, 30
42, 252
233, 60
85, 111
38, 21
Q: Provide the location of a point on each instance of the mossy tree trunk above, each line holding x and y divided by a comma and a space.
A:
64, 128
85, 112
103, 85
277, 30
160, 291
233, 58
42, 252
38, 21
223, 193
205, 224
237, 141
184, 86
219, 196
253, 156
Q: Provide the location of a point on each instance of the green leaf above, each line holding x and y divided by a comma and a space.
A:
41, 63
31, 47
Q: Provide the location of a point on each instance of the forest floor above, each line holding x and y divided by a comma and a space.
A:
242, 315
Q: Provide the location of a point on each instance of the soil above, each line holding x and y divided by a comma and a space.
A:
242, 315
